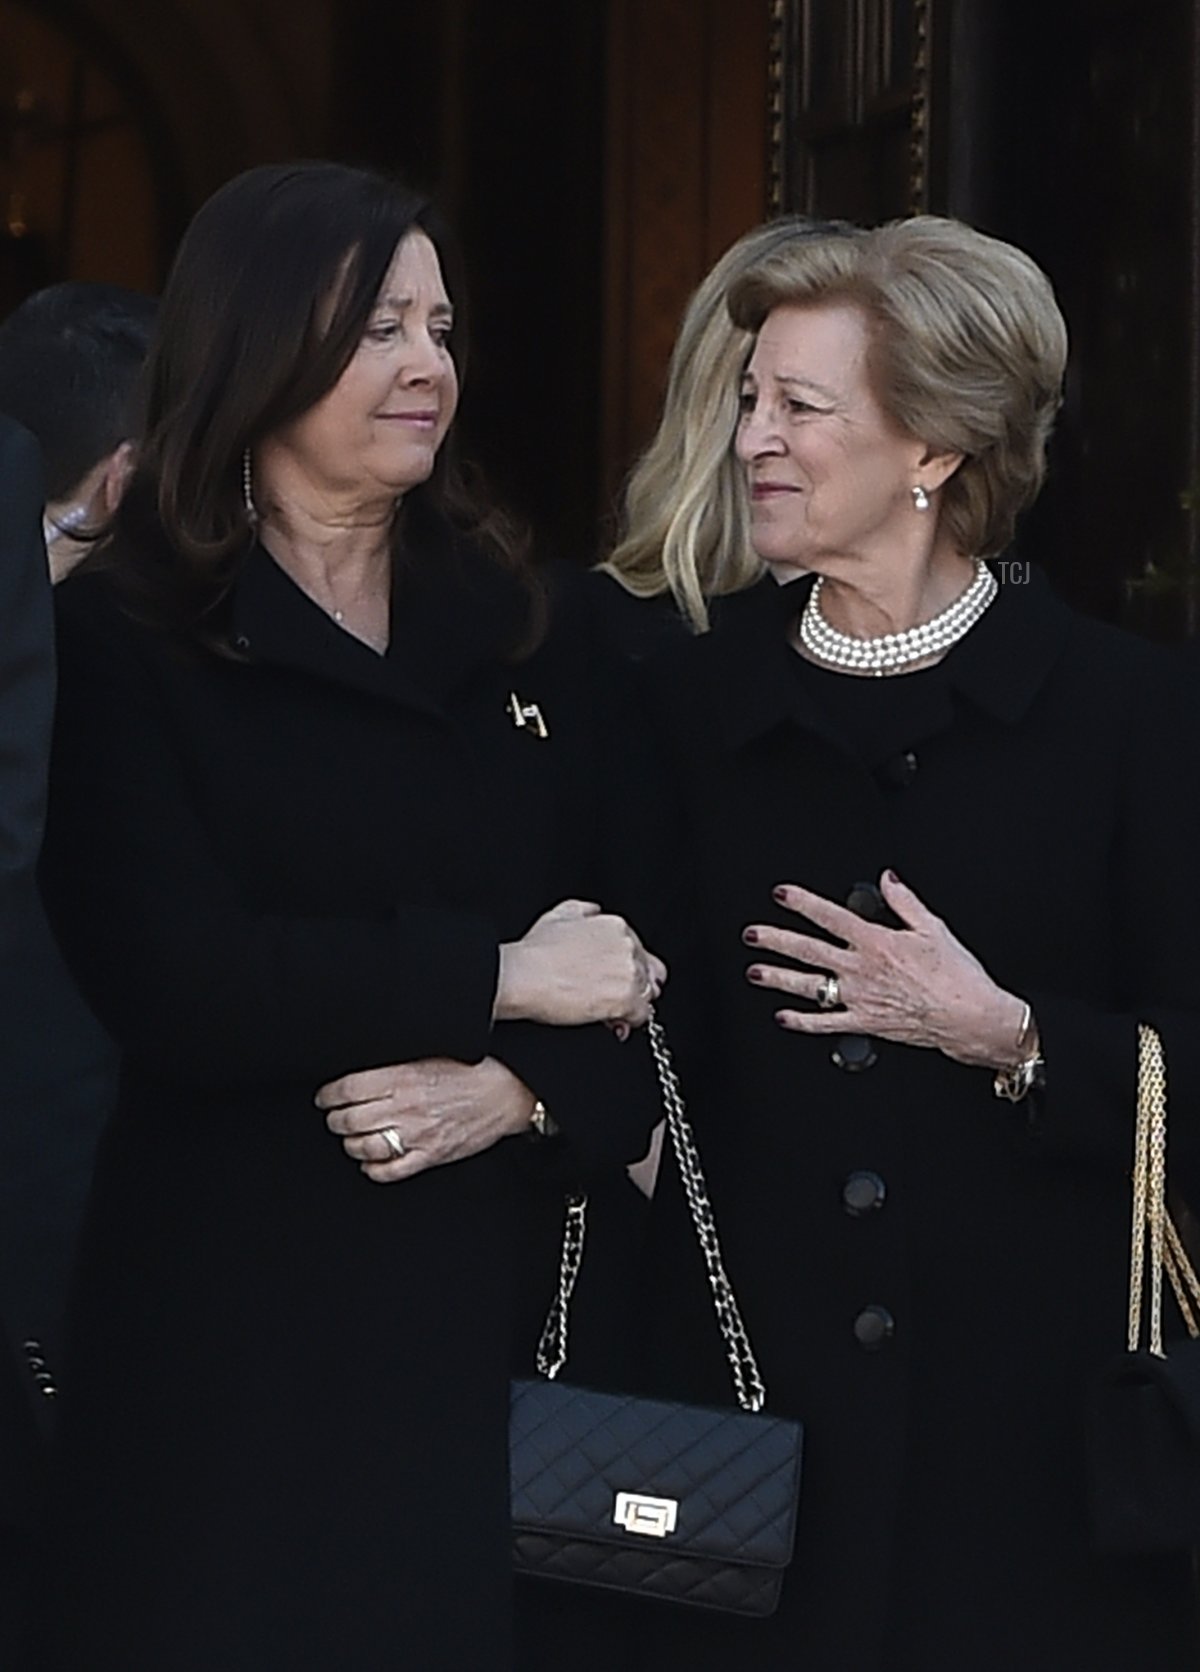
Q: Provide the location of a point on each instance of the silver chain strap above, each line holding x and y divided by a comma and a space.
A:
1150, 1216
748, 1384
552, 1348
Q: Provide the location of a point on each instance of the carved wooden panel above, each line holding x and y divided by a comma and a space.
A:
686, 175
853, 90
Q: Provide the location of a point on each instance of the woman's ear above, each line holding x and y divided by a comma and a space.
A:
937, 468
117, 471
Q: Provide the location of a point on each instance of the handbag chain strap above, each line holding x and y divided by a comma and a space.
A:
748, 1384
552, 1347
1152, 1223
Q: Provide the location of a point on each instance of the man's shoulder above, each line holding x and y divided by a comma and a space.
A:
20, 451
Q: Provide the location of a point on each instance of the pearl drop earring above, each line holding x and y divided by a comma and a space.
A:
248, 490
920, 498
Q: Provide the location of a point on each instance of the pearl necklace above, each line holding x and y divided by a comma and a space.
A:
890, 652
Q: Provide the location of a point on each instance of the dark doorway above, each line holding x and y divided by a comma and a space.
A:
1073, 130
499, 111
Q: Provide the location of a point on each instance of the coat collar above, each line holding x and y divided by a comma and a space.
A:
999, 666
453, 612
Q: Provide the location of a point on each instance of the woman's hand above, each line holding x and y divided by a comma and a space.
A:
578, 964
918, 985
437, 1111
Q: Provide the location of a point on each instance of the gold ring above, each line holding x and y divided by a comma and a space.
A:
828, 996
394, 1142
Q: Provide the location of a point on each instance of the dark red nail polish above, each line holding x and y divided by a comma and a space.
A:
891, 876
779, 893
750, 936
754, 973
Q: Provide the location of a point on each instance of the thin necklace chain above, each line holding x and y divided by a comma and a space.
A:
890, 652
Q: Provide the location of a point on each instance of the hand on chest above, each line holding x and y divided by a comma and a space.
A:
1011, 846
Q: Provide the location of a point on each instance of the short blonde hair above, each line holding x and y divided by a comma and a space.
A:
686, 524
968, 352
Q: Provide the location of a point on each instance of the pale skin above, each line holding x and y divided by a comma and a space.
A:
444, 1111
917, 985
441, 1110
831, 481
326, 488
90, 504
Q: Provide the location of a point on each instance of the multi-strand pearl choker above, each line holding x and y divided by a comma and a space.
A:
890, 652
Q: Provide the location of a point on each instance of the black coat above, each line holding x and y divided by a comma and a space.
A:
285, 1430
930, 1276
53, 1057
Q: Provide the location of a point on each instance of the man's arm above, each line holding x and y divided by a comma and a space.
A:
26, 673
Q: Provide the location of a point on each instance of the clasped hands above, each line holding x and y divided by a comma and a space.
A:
577, 964
917, 984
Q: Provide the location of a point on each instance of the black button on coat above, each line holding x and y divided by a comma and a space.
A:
943, 1510
285, 1413
863, 1192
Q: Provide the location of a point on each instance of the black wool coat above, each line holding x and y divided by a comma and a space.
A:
930, 1276
285, 1418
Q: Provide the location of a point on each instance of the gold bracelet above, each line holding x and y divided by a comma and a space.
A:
1015, 1084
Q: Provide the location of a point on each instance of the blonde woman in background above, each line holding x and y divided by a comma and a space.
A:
686, 527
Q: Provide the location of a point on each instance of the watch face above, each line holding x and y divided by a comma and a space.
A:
541, 1123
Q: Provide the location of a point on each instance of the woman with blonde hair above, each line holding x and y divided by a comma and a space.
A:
940, 823
686, 527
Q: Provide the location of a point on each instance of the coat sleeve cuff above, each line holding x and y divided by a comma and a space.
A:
602, 1093
1086, 1108
1089, 1104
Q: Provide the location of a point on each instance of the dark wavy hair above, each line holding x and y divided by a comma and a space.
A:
267, 300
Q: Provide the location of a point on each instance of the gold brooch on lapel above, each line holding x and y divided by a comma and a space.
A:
527, 716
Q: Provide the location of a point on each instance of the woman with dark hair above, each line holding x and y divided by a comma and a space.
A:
320, 771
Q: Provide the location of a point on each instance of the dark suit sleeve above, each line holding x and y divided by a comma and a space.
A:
26, 666
26, 712
1087, 1109
192, 982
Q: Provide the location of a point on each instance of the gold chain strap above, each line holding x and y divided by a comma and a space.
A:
552, 1348
1183, 1280
1151, 1220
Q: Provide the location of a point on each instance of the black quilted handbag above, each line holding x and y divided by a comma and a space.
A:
1143, 1419
679, 1502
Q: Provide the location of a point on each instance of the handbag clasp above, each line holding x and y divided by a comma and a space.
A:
637, 1513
